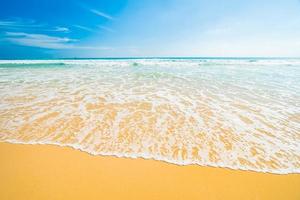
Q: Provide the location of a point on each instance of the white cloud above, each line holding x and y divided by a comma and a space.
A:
27, 25
47, 42
84, 28
19, 24
62, 29
39, 40
102, 14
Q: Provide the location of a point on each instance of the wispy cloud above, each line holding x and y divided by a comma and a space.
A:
83, 28
19, 24
46, 41
106, 29
27, 24
61, 29
102, 14
39, 40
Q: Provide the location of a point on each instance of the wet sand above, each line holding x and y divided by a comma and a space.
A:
52, 172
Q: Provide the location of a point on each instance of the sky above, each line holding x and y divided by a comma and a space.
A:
149, 28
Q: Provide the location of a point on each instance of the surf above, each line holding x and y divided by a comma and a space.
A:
233, 113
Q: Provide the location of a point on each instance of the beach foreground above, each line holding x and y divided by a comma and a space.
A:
52, 172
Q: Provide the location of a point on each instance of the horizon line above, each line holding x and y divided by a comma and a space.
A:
155, 57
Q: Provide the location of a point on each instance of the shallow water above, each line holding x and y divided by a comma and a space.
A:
235, 113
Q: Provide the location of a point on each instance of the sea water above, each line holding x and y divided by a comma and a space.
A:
233, 113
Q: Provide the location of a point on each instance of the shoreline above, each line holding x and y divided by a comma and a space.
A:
147, 158
53, 172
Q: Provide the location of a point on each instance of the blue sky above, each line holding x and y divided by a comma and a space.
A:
126, 28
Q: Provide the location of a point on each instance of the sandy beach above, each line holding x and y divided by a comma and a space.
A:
149, 100
52, 172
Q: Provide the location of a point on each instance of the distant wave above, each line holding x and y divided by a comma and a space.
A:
31, 64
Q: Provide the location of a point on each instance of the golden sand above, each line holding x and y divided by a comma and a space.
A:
50, 172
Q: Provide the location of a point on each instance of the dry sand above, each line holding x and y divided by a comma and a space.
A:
44, 172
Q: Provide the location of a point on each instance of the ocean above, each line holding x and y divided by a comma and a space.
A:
234, 113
